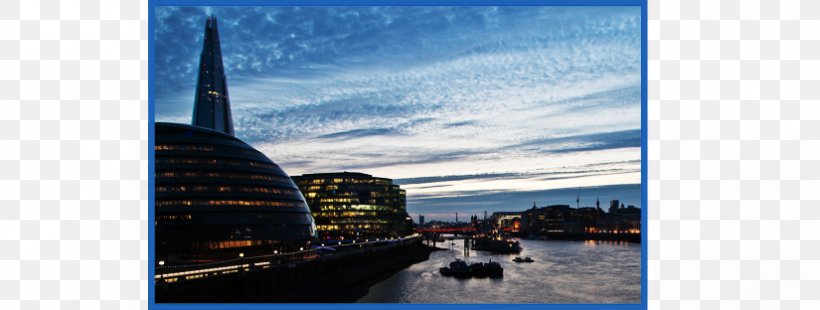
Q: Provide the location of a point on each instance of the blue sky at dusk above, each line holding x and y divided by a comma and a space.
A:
469, 108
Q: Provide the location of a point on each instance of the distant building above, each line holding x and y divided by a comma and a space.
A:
508, 221
355, 205
613, 206
623, 220
546, 219
421, 220
564, 219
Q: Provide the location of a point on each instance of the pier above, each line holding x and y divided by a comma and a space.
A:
307, 276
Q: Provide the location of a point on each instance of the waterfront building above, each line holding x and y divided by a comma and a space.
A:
545, 219
613, 206
507, 221
350, 205
421, 220
564, 219
217, 197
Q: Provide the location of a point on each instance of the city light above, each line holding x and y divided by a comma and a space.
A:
241, 254
161, 263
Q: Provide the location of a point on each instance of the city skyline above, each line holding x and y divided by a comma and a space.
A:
455, 104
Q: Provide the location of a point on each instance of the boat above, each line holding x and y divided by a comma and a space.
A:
497, 245
445, 271
460, 269
519, 259
494, 270
479, 270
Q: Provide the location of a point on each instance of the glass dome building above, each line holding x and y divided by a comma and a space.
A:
217, 196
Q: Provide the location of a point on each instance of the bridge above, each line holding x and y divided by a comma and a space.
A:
447, 230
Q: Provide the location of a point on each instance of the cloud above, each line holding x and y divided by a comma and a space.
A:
483, 98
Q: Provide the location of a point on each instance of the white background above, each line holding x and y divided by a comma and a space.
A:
734, 154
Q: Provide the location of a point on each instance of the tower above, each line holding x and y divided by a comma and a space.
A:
212, 106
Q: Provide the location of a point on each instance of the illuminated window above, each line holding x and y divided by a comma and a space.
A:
183, 148
226, 175
227, 202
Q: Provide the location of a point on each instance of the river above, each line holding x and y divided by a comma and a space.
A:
563, 272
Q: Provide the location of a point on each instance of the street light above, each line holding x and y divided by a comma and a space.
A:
275, 252
161, 263
241, 254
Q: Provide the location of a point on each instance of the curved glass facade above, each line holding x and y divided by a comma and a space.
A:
217, 196
348, 205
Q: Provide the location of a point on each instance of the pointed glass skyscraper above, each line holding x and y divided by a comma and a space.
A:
212, 106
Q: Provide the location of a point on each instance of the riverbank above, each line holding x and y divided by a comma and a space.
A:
633, 238
337, 278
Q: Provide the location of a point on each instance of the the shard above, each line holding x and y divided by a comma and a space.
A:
212, 106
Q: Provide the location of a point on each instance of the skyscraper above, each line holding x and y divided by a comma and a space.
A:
212, 106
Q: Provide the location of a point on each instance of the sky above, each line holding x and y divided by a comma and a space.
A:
468, 108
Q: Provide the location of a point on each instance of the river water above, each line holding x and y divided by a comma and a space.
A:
563, 272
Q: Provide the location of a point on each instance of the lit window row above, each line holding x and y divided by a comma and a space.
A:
206, 188
252, 203
223, 175
346, 214
349, 181
232, 244
363, 207
164, 147
174, 217
214, 162
348, 200
353, 220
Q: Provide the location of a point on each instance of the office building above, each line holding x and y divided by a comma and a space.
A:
348, 205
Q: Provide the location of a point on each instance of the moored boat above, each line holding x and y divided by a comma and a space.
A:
497, 245
446, 271
494, 270
460, 269
479, 270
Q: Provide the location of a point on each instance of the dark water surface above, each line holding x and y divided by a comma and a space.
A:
563, 272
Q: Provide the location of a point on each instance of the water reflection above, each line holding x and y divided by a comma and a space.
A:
592, 243
563, 272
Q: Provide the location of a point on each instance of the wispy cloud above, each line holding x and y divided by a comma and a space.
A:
508, 93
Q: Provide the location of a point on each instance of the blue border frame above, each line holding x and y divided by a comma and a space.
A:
152, 305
